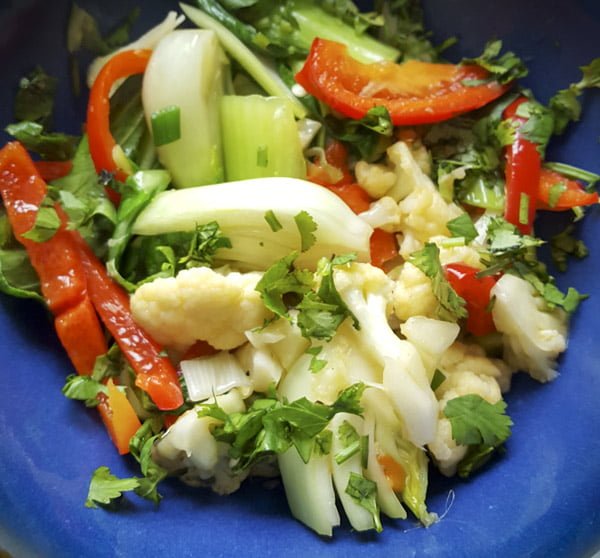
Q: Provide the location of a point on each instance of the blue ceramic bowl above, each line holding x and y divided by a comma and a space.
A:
541, 499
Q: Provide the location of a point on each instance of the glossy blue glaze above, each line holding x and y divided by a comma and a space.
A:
541, 499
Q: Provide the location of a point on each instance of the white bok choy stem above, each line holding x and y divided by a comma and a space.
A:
213, 375
186, 73
240, 208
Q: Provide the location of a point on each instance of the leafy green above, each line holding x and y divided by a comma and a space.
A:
47, 223
565, 104
206, 240
351, 441
368, 137
17, 276
270, 427
84, 388
462, 226
438, 379
105, 488
564, 245
451, 307
475, 421
34, 101
476, 458
364, 492
502, 68
306, 227
509, 251
316, 364
53, 146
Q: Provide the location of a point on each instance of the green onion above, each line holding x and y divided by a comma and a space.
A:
524, 209
555, 193
438, 379
166, 125
272, 220
573, 172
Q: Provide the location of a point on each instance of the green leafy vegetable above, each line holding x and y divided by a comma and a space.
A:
316, 364
105, 488
364, 492
350, 440
306, 227
463, 226
84, 388
565, 104
47, 223
53, 146
475, 421
451, 306
438, 379
206, 240
502, 68
563, 245
34, 101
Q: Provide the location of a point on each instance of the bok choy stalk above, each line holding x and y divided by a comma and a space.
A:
242, 210
193, 60
260, 138
257, 67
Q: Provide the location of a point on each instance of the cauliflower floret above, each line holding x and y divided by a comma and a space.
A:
200, 304
467, 371
383, 214
533, 337
413, 294
468, 255
376, 179
189, 447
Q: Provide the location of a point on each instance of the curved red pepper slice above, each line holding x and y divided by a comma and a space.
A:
101, 141
413, 92
476, 292
573, 195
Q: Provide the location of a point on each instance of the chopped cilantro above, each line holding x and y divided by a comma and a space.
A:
502, 68
563, 245
438, 379
316, 364
475, 421
364, 492
306, 227
272, 221
462, 226
84, 388
105, 488
451, 306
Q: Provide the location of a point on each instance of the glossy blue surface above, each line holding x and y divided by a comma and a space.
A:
541, 499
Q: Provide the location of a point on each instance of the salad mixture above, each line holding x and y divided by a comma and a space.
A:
294, 240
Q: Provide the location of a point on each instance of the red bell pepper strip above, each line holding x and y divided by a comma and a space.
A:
56, 261
384, 247
52, 170
522, 173
572, 195
476, 292
154, 372
102, 144
413, 92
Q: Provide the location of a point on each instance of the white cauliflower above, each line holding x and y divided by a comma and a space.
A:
376, 179
382, 214
189, 447
200, 304
533, 337
468, 254
413, 294
467, 371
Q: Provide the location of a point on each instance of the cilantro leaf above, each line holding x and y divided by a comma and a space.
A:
34, 101
475, 421
438, 379
53, 146
206, 241
316, 364
564, 245
502, 68
105, 488
451, 305
462, 226
84, 388
565, 104
476, 458
364, 492
306, 227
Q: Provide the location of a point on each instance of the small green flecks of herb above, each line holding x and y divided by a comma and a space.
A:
349, 439
84, 388
438, 379
556, 191
524, 208
272, 221
316, 364
105, 488
364, 492
462, 226
564, 245
262, 156
306, 227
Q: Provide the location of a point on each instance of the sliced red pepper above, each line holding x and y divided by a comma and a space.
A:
102, 143
56, 261
522, 173
572, 196
476, 292
413, 92
53, 170
384, 247
154, 372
